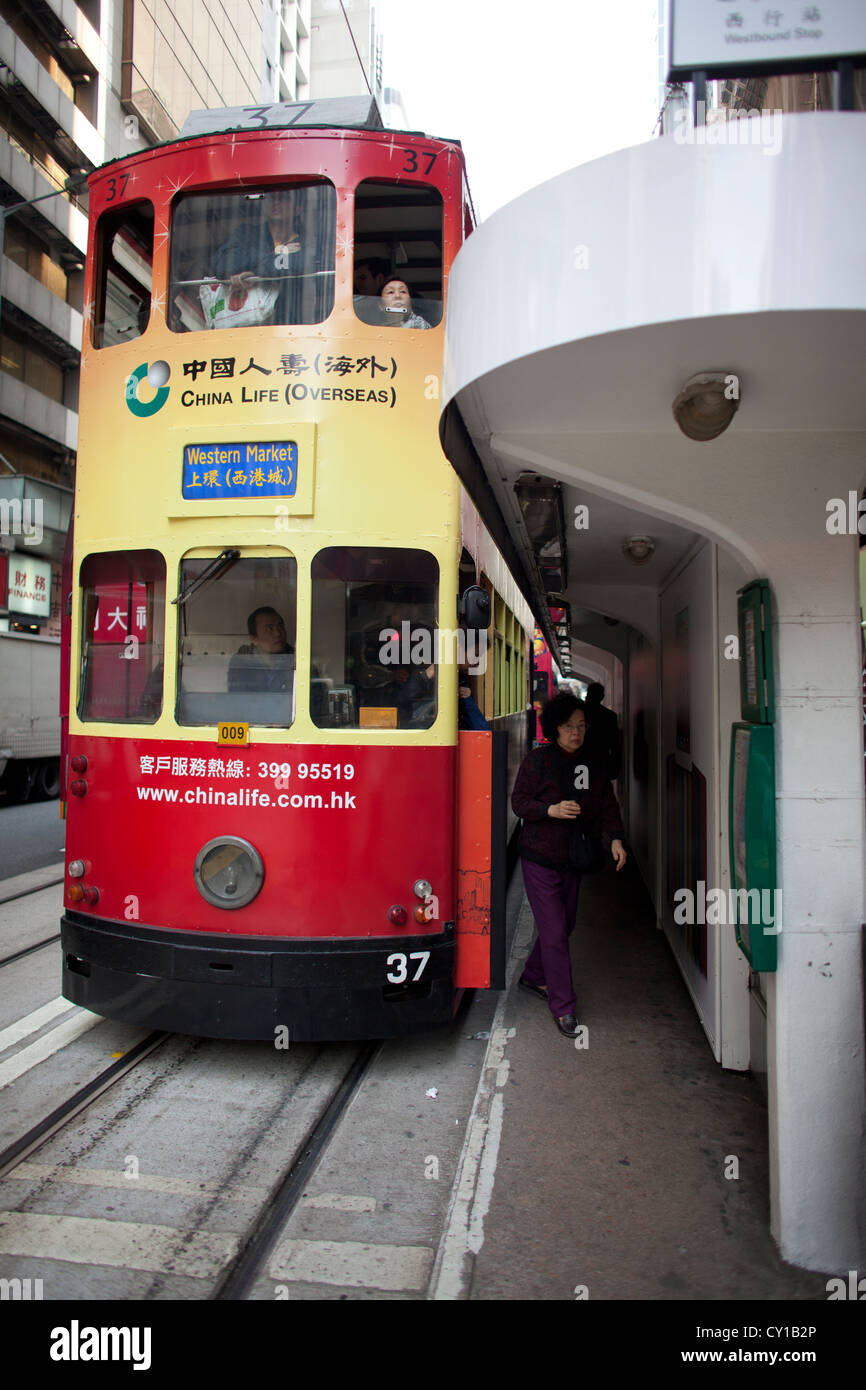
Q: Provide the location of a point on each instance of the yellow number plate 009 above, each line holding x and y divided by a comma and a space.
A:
236, 734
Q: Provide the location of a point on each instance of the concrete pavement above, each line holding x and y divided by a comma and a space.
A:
610, 1180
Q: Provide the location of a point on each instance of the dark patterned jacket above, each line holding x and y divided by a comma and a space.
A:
545, 777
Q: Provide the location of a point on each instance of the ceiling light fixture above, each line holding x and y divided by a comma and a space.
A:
707, 404
639, 549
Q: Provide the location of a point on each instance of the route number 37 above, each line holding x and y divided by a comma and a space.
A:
400, 972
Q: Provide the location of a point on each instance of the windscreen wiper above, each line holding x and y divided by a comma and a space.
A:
217, 566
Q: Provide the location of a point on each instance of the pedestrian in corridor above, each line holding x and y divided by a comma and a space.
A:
558, 788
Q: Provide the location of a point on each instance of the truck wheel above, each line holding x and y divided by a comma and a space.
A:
48, 779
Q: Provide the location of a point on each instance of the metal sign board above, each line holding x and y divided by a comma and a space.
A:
29, 586
729, 36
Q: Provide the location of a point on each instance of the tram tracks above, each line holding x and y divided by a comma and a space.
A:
61, 1115
36, 945
240, 1275
276, 1197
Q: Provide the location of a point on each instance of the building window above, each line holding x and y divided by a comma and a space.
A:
22, 358
261, 256
398, 254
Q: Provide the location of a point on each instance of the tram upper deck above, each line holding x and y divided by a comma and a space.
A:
241, 389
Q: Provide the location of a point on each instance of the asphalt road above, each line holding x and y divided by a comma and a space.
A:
31, 836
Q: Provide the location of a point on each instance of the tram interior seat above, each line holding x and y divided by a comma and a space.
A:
204, 697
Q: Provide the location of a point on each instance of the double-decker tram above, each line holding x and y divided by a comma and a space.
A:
279, 590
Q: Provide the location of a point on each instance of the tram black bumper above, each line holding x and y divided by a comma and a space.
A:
213, 987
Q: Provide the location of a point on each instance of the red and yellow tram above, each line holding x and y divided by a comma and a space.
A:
278, 588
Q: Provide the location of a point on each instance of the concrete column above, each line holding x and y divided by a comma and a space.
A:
815, 1001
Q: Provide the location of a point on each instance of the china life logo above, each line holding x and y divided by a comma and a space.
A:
157, 374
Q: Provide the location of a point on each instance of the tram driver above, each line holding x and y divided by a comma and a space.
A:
267, 662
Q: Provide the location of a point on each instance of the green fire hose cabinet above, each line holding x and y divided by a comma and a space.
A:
752, 838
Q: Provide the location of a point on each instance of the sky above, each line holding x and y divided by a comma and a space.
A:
529, 88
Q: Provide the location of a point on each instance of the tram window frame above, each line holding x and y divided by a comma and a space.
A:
385, 237
351, 683
251, 688
113, 277
143, 696
248, 306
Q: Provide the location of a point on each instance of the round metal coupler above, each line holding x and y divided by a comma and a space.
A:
228, 871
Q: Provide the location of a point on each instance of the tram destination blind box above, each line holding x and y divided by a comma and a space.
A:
752, 785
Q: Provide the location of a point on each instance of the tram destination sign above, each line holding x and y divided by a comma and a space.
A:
346, 113
722, 37
265, 469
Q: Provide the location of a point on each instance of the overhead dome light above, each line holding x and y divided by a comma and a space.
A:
706, 405
639, 549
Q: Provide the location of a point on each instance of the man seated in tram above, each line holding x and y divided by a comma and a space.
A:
369, 277
267, 662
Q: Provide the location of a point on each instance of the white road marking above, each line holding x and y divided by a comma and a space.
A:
116, 1244
339, 1201
177, 1187
33, 1022
145, 1182
463, 1234
37, 1052
350, 1264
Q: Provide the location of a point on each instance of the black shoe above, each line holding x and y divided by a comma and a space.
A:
533, 989
568, 1025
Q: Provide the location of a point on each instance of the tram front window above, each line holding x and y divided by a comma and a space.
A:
236, 645
263, 255
374, 636
123, 622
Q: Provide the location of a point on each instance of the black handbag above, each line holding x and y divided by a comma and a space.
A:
585, 854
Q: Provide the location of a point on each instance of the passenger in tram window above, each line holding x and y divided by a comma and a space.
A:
267, 662
561, 790
275, 258
416, 697
398, 305
369, 277
469, 716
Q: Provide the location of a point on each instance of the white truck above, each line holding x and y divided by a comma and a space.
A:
29, 717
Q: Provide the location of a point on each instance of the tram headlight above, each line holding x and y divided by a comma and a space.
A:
228, 872
421, 888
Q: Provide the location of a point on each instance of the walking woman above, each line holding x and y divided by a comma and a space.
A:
555, 788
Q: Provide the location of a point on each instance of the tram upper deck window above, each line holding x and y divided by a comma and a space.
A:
124, 274
256, 256
398, 254
236, 657
123, 622
373, 653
